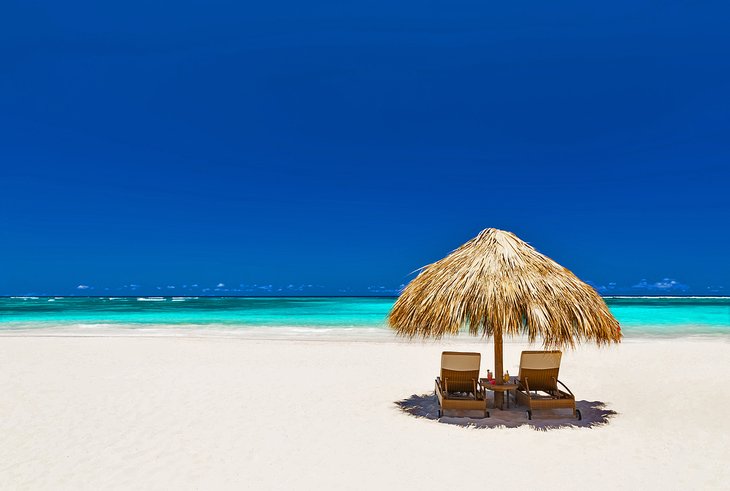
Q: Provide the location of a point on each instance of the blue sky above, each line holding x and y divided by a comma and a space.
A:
271, 147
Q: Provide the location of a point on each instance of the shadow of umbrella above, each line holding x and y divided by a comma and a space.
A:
595, 413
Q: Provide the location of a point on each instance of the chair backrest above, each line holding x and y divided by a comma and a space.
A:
540, 369
459, 369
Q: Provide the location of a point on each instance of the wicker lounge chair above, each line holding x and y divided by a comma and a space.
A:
458, 386
538, 383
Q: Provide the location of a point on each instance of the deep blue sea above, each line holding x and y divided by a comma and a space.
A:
639, 316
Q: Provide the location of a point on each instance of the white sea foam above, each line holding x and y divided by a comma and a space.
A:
198, 330
290, 332
151, 299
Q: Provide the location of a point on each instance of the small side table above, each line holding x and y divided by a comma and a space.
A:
500, 388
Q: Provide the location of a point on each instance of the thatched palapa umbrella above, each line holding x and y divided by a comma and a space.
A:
496, 285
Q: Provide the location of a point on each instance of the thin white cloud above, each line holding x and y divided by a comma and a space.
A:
83, 287
607, 289
382, 289
663, 285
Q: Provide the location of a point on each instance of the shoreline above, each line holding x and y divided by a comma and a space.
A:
298, 333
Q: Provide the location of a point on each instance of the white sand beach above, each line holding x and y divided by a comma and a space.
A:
146, 412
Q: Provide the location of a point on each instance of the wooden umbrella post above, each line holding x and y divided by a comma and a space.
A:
498, 366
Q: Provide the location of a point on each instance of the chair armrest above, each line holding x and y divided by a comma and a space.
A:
524, 385
566, 388
442, 386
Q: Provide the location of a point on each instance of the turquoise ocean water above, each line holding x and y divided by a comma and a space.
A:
639, 316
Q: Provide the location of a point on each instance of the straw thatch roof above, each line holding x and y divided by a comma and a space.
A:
497, 281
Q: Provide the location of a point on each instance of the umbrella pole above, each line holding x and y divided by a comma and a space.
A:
498, 367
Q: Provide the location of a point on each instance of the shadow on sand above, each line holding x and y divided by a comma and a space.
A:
426, 406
